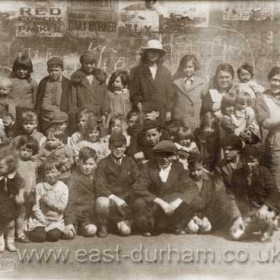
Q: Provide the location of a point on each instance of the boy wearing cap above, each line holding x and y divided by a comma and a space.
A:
152, 82
53, 93
89, 88
163, 193
114, 179
254, 198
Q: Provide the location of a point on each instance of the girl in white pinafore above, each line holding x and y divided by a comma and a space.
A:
47, 221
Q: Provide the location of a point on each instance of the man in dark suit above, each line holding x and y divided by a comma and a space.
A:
114, 179
163, 194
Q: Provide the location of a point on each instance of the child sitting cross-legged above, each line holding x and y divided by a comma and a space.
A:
115, 176
79, 213
47, 221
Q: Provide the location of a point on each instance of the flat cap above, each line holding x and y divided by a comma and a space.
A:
87, 57
233, 141
58, 117
117, 139
55, 61
165, 146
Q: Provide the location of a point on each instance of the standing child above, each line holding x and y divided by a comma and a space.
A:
118, 93
114, 179
47, 222
24, 88
245, 75
208, 140
79, 213
28, 147
189, 90
55, 148
53, 93
7, 108
89, 88
11, 196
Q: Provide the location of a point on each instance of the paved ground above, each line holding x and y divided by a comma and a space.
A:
163, 257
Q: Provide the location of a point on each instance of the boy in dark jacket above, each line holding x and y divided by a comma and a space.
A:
254, 198
53, 93
79, 213
114, 179
162, 193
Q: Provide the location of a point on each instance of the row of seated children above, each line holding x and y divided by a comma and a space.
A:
113, 194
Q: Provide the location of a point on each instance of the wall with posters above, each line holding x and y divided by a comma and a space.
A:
232, 31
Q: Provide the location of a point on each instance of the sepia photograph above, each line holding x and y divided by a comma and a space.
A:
139, 139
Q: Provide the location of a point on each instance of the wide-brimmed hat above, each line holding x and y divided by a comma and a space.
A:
154, 45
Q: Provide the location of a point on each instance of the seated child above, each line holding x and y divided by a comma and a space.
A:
208, 140
47, 223
55, 148
12, 188
58, 121
204, 186
162, 194
7, 108
79, 213
29, 123
92, 139
84, 117
254, 200
151, 134
185, 145
115, 176
245, 75
118, 125
231, 147
227, 126
28, 147
118, 94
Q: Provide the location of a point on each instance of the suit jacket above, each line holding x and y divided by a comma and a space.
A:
178, 184
262, 190
81, 198
146, 89
187, 102
114, 179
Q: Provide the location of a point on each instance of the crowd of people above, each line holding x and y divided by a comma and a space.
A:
142, 152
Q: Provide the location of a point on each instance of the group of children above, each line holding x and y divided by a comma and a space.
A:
145, 154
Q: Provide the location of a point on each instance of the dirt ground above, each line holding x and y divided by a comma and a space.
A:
162, 257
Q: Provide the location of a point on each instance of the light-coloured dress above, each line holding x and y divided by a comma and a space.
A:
51, 200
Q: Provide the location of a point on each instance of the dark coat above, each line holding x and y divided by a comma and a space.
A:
91, 96
81, 198
144, 88
65, 97
262, 191
117, 180
149, 186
